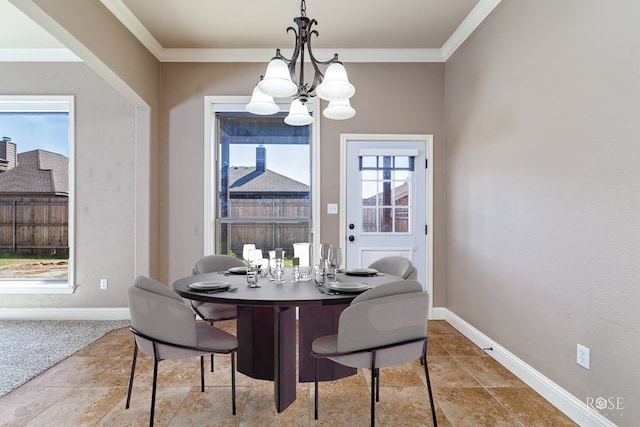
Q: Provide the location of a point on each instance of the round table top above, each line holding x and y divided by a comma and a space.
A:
272, 294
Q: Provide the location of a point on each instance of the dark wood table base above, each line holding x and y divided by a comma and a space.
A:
268, 334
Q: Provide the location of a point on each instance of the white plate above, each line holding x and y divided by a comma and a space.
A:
208, 286
348, 287
238, 270
361, 271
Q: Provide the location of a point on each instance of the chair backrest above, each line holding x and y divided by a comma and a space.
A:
212, 263
160, 313
388, 314
396, 265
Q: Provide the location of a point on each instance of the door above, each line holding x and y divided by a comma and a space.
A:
387, 200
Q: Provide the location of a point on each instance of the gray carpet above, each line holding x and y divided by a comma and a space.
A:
29, 347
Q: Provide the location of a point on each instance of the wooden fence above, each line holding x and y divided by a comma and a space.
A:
268, 223
34, 225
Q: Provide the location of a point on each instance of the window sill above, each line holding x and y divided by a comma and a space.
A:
44, 287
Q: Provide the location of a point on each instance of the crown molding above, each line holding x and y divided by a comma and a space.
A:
468, 26
263, 55
38, 55
133, 24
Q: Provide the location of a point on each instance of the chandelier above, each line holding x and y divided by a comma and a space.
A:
281, 81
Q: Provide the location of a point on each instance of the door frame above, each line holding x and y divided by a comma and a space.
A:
386, 138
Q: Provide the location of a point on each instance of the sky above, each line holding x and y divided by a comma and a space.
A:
47, 131
292, 160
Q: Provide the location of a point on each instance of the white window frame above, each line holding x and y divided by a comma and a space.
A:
214, 104
37, 103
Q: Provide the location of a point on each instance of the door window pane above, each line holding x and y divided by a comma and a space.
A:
386, 184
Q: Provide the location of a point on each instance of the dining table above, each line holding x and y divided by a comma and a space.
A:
270, 316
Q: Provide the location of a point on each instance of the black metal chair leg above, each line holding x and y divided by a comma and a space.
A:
153, 390
212, 369
377, 384
373, 388
133, 370
315, 381
233, 382
202, 373
426, 374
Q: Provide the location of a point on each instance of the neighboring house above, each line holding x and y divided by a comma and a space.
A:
34, 201
262, 207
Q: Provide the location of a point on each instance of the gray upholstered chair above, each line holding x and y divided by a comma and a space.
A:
396, 265
164, 327
210, 311
384, 326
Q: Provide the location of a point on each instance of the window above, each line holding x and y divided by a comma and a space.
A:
264, 196
259, 185
386, 193
36, 194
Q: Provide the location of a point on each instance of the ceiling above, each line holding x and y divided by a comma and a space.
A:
213, 30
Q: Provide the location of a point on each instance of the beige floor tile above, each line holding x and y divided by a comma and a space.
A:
168, 401
446, 371
473, 406
75, 371
82, 406
404, 406
259, 409
434, 348
25, 403
460, 346
530, 408
440, 327
489, 372
211, 408
343, 406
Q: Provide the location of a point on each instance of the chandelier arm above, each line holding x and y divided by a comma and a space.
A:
296, 49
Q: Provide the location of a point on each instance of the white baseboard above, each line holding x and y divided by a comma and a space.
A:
99, 313
570, 405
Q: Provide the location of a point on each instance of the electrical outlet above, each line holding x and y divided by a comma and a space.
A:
103, 284
582, 356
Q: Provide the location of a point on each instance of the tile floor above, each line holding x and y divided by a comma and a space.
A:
90, 387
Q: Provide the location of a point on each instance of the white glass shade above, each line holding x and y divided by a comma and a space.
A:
335, 85
277, 80
339, 110
261, 104
298, 114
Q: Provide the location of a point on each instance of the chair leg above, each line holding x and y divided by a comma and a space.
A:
426, 374
202, 373
233, 383
133, 370
153, 390
315, 383
377, 384
373, 388
212, 367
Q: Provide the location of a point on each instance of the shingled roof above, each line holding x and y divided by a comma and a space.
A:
245, 179
37, 171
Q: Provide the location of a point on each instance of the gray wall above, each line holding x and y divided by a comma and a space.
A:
417, 88
104, 181
543, 190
